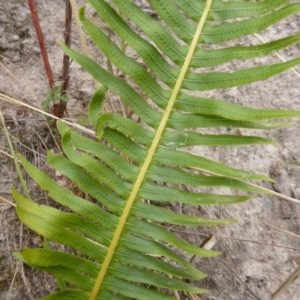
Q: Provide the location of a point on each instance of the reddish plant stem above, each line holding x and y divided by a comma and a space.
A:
67, 38
66, 59
40, 38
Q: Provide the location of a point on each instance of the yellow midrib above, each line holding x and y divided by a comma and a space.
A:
148, 160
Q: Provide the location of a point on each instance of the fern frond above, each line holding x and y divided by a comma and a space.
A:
117, 238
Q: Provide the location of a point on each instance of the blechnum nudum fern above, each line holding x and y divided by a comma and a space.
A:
118, 237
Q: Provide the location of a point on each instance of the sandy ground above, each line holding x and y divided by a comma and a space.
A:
256, 257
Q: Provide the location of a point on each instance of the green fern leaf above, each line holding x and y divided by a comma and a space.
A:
120, 250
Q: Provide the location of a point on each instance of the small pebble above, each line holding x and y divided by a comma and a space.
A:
36, 50
15, 37
16, 58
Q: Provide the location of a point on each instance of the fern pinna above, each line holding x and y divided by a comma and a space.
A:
118, 237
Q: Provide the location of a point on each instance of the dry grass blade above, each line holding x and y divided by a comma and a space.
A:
6, 154
79, 28
295, 275
281, 196
8, 202
280, 229
237, 239
15, 101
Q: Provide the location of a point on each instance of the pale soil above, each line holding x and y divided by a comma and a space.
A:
245, 270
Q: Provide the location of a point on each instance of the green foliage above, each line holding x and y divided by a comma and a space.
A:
117, 238
53, 97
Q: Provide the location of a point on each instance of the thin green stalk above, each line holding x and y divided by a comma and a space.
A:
15, 158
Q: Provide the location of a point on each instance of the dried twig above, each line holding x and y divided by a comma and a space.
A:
238, 239
66, 59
